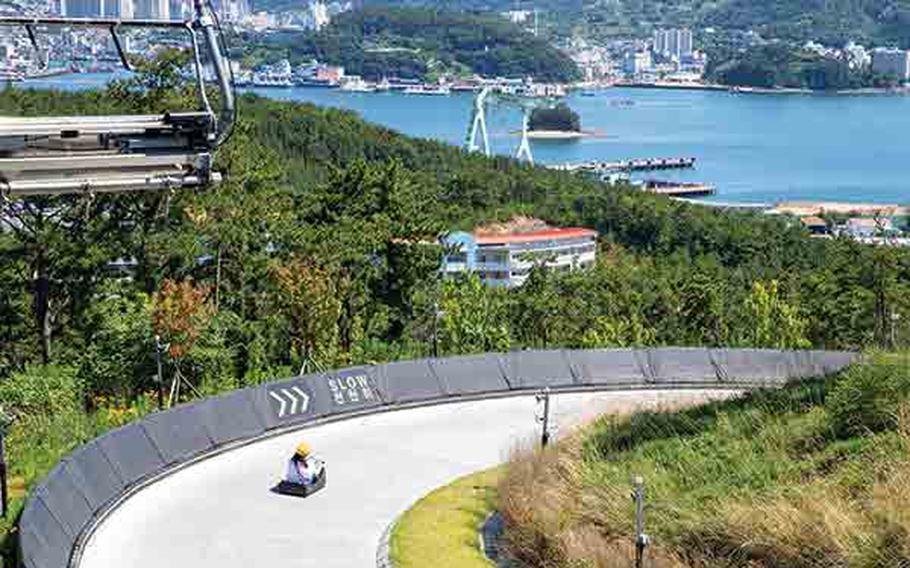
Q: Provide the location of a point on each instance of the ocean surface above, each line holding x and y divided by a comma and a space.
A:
752, 148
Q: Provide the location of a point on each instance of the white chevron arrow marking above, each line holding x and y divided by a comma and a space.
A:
292, 398
304, 399
280, 401
299, 401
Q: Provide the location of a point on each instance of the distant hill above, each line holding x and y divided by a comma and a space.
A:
830, 21
378, 42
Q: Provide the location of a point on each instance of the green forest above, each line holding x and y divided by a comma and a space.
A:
781, 65
316, 251
830, 22
419, 43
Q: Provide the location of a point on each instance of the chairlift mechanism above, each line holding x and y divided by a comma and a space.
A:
98, 154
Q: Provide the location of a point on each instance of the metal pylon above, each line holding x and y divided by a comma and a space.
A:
479, 124
524, 148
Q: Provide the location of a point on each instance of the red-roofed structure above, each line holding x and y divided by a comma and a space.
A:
551, 234
504, 254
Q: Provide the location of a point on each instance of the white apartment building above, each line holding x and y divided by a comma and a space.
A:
889, 61
636, 63
506, 258
673, 44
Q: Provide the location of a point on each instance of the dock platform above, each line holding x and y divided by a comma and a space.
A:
676, 189
646, 164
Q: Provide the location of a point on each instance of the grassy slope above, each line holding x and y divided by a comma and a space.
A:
815, 475
440, 530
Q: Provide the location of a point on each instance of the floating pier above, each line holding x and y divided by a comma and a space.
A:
596, 167
676, 189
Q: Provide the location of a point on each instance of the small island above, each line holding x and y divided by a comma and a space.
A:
558, 122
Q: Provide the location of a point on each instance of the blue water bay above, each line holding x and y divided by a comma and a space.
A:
753, 148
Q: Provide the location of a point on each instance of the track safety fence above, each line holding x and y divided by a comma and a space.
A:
67, 505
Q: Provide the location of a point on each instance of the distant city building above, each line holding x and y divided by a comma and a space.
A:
260, 20
231, 10
891, 62
89, 8
329, 74
320, 13
505, 255
857, 56
815, 225
863, 227
519, 16
673, 44
636, 63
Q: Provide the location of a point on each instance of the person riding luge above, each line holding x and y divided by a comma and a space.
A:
305, 472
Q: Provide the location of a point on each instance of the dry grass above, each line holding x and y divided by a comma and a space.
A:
545, 507
745, 485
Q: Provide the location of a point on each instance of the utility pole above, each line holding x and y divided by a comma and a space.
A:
543, 396
641, 538
159, 348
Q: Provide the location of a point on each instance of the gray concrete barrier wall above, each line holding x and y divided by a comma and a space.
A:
62, 510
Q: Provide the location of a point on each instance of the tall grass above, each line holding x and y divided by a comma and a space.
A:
770, 480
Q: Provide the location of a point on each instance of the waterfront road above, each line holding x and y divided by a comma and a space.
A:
220, 513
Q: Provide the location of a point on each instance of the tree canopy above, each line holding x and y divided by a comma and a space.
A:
318, 250
560, 117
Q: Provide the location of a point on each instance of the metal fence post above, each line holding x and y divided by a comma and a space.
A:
543, 396
158, 349
3, 488
641, 538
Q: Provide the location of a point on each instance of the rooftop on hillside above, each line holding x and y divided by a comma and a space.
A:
523, 229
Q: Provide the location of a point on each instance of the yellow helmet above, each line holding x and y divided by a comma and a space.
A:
303, 449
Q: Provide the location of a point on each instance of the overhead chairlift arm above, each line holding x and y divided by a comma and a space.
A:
120, 153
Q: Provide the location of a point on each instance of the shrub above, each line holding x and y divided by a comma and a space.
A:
41, 390
117, 356
867, 397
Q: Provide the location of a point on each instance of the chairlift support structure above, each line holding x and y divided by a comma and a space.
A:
114, 154
477, 138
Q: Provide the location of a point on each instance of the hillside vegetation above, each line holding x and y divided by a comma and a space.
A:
835, 22
831, 21
380, 42
816, 475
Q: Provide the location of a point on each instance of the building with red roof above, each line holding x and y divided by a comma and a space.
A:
503, 255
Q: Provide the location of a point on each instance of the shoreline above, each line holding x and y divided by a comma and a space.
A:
669, 86
554, 135
561, 134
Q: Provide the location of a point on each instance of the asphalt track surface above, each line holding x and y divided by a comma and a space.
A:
220, 513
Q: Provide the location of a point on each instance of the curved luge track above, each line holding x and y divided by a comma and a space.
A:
220, 513
189, 486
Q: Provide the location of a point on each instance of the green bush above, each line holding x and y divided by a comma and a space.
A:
117, 355
41, 390
868, 397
